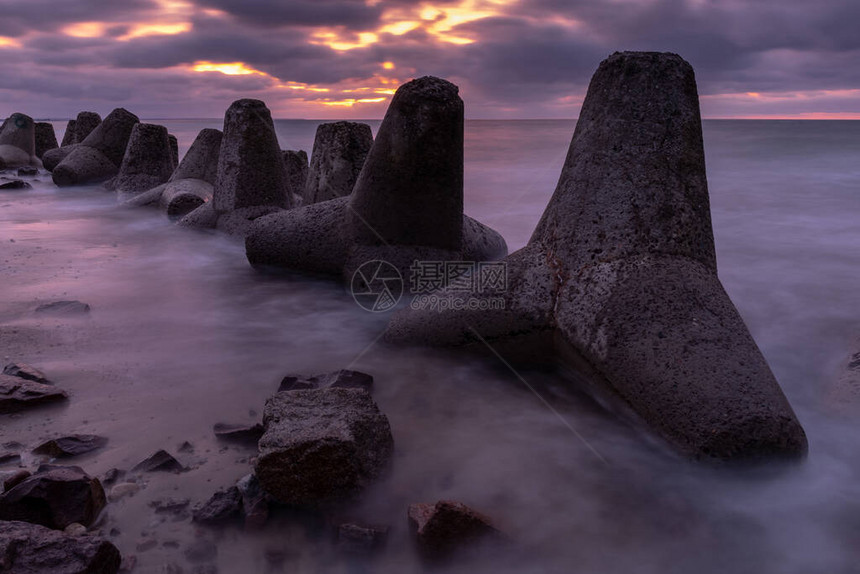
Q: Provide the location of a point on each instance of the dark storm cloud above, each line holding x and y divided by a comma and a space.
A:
18, 17
353, 14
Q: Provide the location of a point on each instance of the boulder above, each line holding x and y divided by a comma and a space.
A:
46, 139
340, 149
296, 163
148, 161
446, 527
32, 549
321, 446
72, 445
251, 179
55, 496
99, 156
18, 142
17, 394
407, 203
160, 461
619, 279
26, 371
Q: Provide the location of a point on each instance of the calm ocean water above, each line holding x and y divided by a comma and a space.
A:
183, 335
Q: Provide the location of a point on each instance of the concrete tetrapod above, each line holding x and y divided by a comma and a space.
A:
18, 142
99, 156
619, 280
407, 204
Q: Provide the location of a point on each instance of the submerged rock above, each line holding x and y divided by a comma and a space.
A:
26, 371
251, 178
32, 549
443, 528
619, 279
55, 497
321, 446
148, 161
69, 446
17, 394
46, 139
407, 203
18, 142
340, 149
98, 157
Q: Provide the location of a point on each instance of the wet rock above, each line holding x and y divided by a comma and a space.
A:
18, 142
343, 378
169, 505
17, 394
223, 506
248, 434
148, 160
446, 527
160, 461
112, 476
8, 457
45, 138
15, 479
75, 529
340, 149
55, 498
407, 203
25, 371
32, 549
27, 171
321, 446
361, 540
63, 308
296, 163
123, 490
251, 178
255, 502
69, 446
619, 278
98, 157
16, 184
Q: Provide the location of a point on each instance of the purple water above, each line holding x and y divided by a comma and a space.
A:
183, 334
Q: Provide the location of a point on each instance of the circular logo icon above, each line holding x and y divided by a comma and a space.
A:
377, 286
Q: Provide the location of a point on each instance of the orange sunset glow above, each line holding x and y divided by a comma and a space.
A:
333, 58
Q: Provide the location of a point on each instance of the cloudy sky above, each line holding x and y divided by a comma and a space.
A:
344, 58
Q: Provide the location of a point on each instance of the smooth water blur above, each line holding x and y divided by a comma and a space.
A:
183, 334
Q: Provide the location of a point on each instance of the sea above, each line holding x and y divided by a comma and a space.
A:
183, 334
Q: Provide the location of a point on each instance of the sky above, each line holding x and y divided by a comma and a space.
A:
327, 59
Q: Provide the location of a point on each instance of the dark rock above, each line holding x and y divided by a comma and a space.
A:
45, 138
25, 371
32, 549
296, 163
112, 476
55, 498
343, 378
340, 149
17, 394
225, 505
619, 279
239, 433
18, 142
161, 461
7, 457
148, 160
15, 479
98, 157
69, 446
16, 184
443, 528
255, 502
63, 308
361, 540
407, 203
186, 447
27, 171
169, 505
252, 179
321, 446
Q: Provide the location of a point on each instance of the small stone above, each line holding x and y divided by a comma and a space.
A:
185, 447
160, 461
123, 489
17, 394
27, 171
169, 505
112, 476
361, 540
64, 308
69, 446
25, 371
223, 506
15, 184
75, 529
9, 457
448, 526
